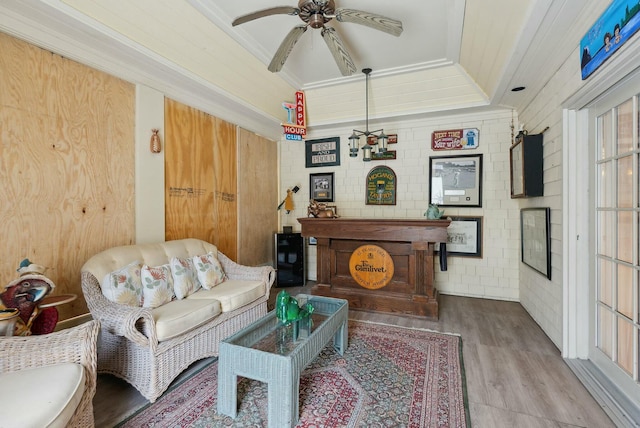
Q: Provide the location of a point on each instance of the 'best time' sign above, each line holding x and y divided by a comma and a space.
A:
455, 139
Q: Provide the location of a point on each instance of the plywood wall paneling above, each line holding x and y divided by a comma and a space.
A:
66, 165
225, 158
189, 178
257, 197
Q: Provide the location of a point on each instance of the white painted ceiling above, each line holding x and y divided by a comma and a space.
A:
432, 31
453, 55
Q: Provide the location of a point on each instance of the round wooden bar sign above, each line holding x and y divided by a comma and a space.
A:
371, 266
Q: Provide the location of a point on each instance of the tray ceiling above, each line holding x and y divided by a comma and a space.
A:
452, 54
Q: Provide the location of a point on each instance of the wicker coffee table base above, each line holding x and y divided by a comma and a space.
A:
280, 372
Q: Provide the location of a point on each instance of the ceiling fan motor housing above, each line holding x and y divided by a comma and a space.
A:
316, 13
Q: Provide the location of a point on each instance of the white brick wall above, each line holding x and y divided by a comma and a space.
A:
494, 276
539, 296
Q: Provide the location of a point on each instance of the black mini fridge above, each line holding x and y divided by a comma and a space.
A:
289, 249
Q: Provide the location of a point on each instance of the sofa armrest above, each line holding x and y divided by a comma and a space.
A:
77, 345
120, 320
233, 270
72, 345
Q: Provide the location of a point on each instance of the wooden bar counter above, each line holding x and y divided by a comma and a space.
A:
407, 249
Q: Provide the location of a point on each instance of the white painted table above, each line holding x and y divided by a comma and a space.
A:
269, 352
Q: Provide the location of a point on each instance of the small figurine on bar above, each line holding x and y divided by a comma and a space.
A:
433, 212
320, 210
288, 309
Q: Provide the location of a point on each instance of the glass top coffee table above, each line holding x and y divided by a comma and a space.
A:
276, 354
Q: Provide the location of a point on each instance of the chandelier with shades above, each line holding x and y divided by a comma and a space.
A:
371, 145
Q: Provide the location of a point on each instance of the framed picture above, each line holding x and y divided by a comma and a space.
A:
455, 181
322, 152
516, 155
535, 225
617, 24
464, 237
321, 187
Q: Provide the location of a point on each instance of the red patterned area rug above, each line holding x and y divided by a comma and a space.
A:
388, 377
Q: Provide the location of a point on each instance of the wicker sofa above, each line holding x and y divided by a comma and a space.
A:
134, 346
49, 380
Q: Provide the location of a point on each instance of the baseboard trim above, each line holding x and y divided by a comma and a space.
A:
616, 405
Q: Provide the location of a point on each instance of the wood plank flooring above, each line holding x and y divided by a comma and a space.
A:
515, 374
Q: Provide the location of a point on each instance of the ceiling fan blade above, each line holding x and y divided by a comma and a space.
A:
280, 10
378, 22
339, 52
285, 48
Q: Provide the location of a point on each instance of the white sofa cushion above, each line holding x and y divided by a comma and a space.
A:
44, 396
232, 294
179, 316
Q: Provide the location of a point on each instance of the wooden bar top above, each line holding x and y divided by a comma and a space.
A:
398, 230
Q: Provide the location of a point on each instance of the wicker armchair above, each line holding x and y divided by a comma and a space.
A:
72, 345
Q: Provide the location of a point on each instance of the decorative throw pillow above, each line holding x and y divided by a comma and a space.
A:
157, 286
124, 286
209, 270
185, 281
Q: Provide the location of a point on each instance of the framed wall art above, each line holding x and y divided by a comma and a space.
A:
321, 187
617, 24
464, 236
381, 186
535, 239
456, 181
322, 152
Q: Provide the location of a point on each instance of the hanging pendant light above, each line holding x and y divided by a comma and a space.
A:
371, 145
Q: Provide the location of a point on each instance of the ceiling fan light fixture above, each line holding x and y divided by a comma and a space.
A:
378, 144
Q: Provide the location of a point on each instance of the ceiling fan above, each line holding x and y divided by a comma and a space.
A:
315, 14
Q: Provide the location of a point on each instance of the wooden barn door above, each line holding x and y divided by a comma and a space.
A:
258, 198
225, 187
200, 178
